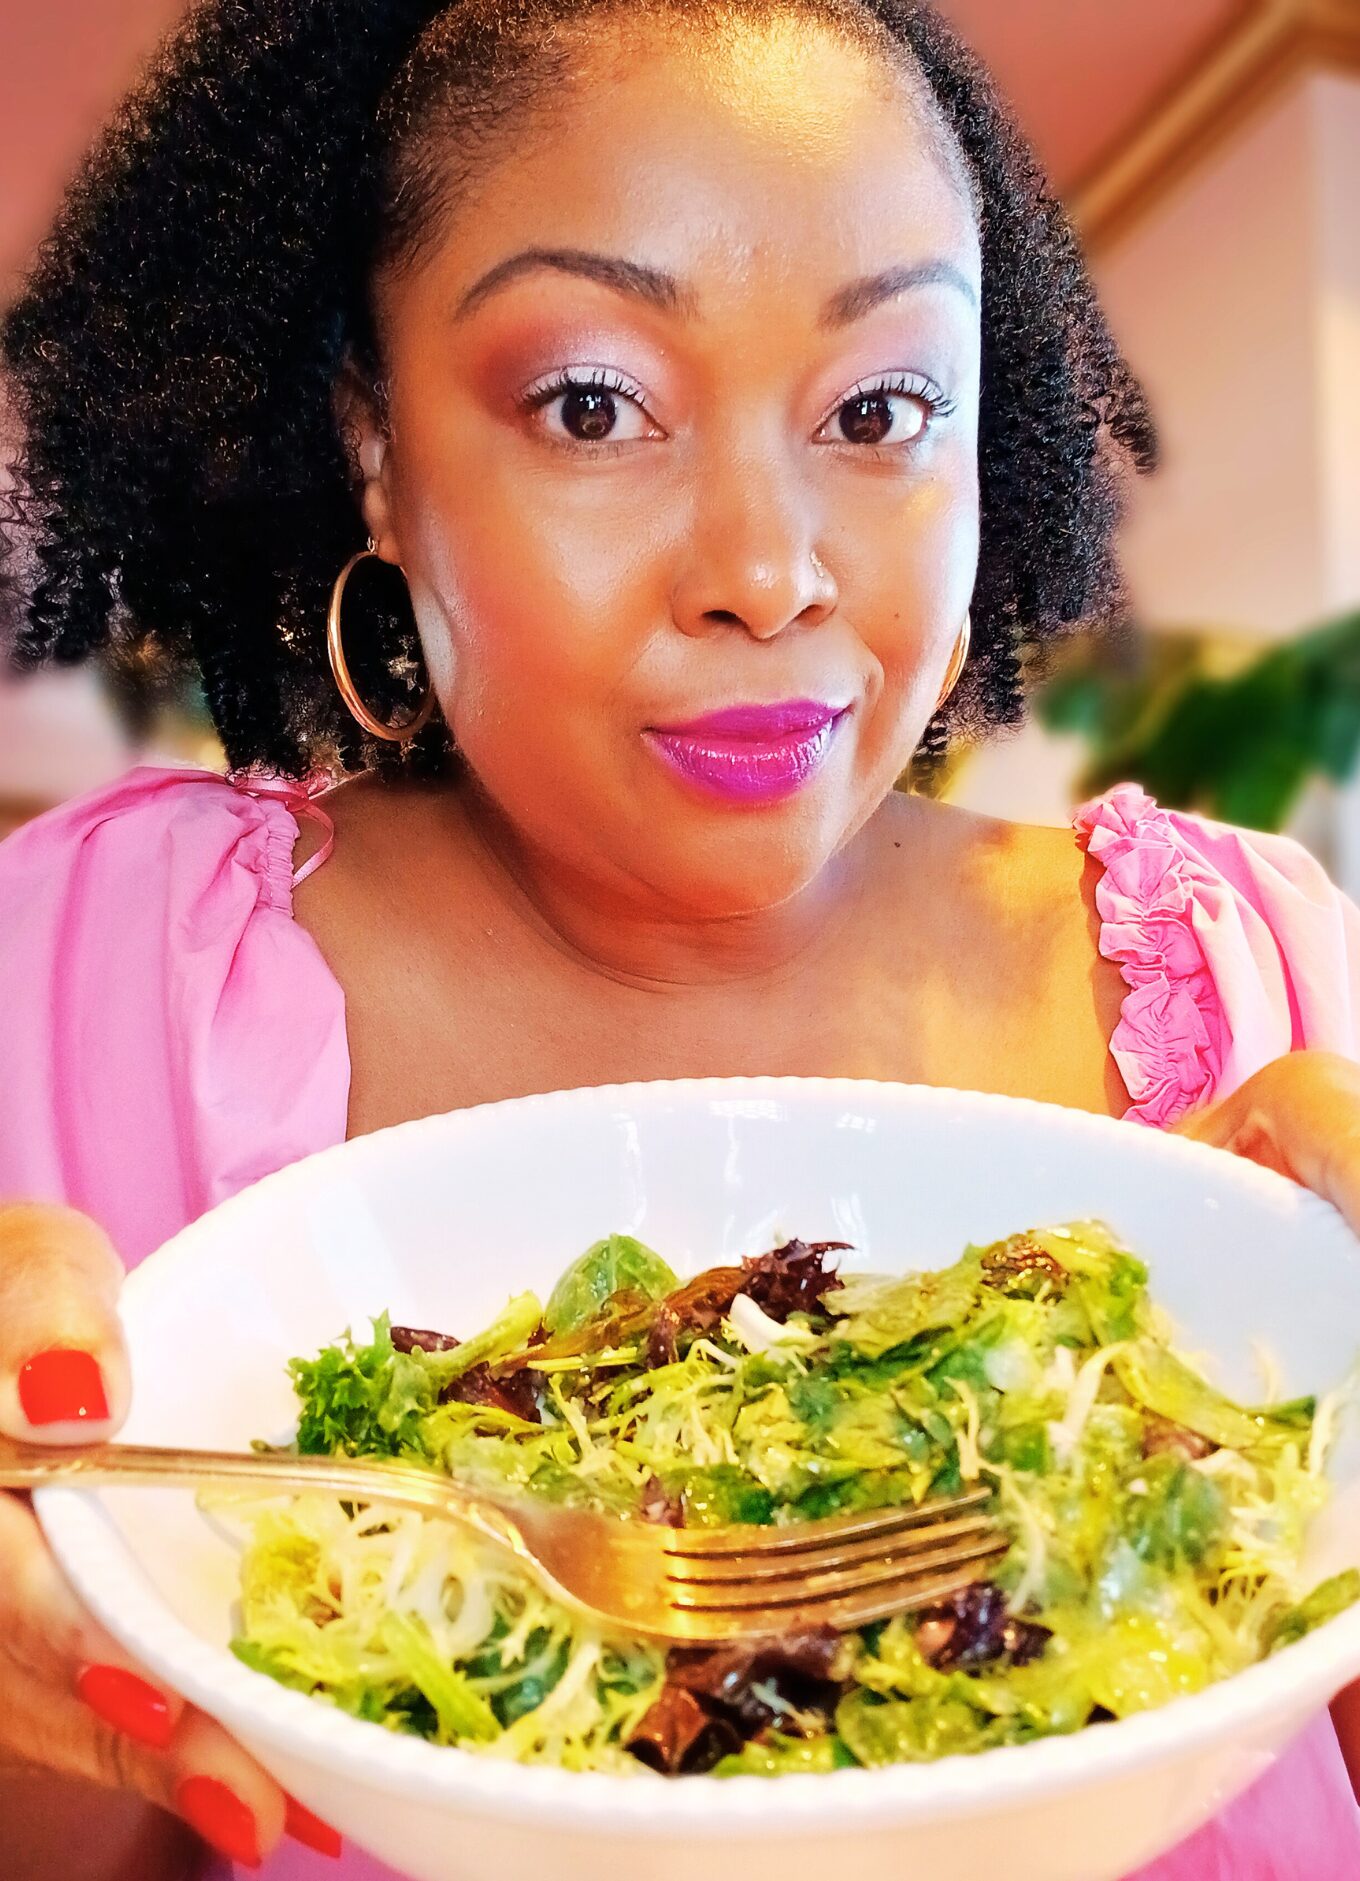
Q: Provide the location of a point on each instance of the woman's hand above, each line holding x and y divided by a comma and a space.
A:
71, 1701
1300, 1116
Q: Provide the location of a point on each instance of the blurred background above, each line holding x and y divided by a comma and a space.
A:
1210, 153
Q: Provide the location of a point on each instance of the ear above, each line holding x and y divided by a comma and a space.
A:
364, 434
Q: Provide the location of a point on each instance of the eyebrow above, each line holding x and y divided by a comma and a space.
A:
665, 292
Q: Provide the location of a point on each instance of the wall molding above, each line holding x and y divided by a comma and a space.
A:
1239, 73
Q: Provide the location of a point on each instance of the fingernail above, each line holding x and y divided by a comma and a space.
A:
128, 1703
308, 1829
220, 1817
62, 1386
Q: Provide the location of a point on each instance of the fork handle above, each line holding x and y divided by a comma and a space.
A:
138, 1465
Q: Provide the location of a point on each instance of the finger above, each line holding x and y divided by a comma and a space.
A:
46, 1634
98, 1714
49, 1728
63, 1365
220, 1790
1300, 1117
203, 1775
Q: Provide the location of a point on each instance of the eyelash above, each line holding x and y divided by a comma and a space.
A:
604, 379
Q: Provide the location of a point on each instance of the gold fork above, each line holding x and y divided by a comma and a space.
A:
695, 1585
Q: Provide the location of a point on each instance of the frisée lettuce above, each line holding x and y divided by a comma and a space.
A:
1155, 1525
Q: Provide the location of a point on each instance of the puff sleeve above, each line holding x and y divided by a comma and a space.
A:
167, 1032
1236, 948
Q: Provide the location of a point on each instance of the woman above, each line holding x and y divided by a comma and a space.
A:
724, 404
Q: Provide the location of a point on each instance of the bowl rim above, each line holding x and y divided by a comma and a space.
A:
1291, 1685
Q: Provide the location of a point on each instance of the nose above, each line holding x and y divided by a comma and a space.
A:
752, 561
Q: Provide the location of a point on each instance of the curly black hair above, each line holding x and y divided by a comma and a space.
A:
181, 489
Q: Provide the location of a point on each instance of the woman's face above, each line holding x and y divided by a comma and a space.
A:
720, 453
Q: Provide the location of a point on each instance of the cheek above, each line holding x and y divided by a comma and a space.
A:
520, 625
914, 606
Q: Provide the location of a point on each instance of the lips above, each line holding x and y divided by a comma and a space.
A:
751, 753
757, 724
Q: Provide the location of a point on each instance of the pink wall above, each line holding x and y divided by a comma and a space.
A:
1238, 300
1079, 72
63, 66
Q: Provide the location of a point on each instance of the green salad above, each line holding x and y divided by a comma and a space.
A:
1156, 1526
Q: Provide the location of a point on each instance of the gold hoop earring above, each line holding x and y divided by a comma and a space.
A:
958, 660
344, 683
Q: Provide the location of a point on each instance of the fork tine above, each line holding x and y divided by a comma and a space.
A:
791, 1537
845, 1611
894, 1546
832, 1583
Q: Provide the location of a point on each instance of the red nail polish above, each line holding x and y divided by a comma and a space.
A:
62, 1386
308, 1829
128, 1703
220, 1817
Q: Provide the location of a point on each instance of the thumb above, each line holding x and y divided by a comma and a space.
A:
63, 1365
1252, 1128
1298, 1115
1222, 1124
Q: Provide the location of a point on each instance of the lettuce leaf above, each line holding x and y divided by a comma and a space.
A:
914, 1730
365, 1400
1324, 1603
461, 1710
877, 1317
510, 1331
1155, 1377
777, 1755
1172, 1514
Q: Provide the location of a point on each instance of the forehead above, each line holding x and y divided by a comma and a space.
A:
778, 153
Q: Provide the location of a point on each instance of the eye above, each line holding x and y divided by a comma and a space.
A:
595, 406
894, 411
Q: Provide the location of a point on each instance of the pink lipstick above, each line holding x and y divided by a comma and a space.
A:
751, 753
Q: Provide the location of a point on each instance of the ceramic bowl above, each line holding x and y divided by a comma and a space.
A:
438, 1221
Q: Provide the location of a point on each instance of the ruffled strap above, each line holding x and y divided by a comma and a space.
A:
1168, 1043
1234, 946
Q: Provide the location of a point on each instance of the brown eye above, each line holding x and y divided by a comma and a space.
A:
870, 420
591, 407
589, 415
887, 414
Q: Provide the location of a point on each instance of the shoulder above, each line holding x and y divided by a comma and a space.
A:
1012, 875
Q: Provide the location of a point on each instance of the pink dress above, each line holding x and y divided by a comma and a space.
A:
168, 1033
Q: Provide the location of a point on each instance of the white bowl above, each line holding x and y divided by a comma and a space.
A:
440, 1220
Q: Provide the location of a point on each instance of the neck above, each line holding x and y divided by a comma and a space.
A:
620, 930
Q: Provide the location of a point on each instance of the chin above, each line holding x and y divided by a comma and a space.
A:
723, 877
